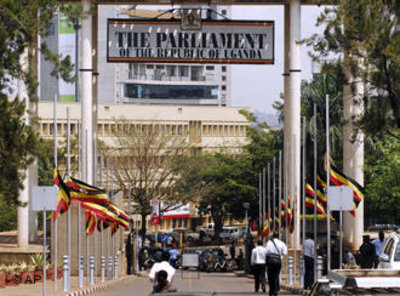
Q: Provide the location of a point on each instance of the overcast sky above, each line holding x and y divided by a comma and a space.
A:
258, 86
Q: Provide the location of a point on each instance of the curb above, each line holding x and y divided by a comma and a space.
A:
92, 289
291, 289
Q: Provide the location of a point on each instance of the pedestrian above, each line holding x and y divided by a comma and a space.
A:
379, 243
367, 253
275, 250
210, 259
129, 253
165, 266
162, 283
239, 259
232, 249
258, 255
308, 252
173, 256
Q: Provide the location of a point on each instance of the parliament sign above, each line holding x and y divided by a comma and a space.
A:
164, 41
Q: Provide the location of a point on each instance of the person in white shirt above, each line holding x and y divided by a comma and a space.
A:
308, 252
275, 248
258, 255
163, 265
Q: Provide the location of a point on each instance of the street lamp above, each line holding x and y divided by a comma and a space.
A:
246, 206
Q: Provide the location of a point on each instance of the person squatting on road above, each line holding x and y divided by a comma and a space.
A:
308, 252
162, 266
258, 256
275, 249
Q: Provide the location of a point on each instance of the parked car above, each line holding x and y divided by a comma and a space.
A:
230, 232
390, 259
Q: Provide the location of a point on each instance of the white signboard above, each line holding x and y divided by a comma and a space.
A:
190, 260
340, 198
177, 212
44, 198
164, 41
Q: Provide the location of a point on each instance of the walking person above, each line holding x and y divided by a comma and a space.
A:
129, 253
232, 249
258, 256
367, 253
275, 250
163, 266
379, 243
308, 252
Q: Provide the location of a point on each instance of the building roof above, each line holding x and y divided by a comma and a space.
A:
147, 112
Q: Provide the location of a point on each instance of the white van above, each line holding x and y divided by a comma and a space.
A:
230, 232
390, 259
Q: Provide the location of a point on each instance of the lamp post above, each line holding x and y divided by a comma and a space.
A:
246, 206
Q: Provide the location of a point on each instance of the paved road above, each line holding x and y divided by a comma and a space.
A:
225, 283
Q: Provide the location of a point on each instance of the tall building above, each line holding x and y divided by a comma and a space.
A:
138, 83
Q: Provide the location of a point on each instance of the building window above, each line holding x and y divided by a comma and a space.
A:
150, 66
223, 68
183, 71
223, 87
210, 68
223, 78
223, 11
171, 71
159, 67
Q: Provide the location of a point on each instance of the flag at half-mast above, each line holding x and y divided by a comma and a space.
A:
90, 222
310, 201
339, 179
107, 214
63, 195
83, 192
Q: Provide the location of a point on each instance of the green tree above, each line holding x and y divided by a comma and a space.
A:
367, 30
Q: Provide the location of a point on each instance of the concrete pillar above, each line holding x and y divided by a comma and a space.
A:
23, 209
86, 73
294, 113
286, 91
353, 152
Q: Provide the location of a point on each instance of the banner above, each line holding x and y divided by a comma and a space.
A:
164, 41
155, 212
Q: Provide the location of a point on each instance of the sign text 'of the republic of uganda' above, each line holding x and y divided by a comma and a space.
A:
229, 42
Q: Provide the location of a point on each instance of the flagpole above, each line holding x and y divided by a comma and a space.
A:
101, 223
108, 228
294, 211
273, 193
315, 192
287, 184
264, 204
269, 197
56, 165
79, 204
69, 212
87, 180
112, 236
280, 193
259, 206
328, 221
95, 175
304, 179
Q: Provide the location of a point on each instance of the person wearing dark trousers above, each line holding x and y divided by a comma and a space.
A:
258, 255
129, 253
308, 252
275, 249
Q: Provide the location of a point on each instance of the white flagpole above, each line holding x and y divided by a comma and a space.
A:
260, 223
264, 204
269, 197
273, 193
315, 192
328, 221
56, 165
69, 212
304, 180
280, 193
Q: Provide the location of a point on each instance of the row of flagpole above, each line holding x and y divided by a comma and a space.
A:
81, 158
266, 213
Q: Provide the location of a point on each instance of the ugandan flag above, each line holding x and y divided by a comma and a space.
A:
339, 179
310, 201
63, 195
265, 231
125, 219
90, 222
321, 185
82, 192
106, 212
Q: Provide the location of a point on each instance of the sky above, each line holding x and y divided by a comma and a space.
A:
258, 86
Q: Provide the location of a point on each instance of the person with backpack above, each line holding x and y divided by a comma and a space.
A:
258, 255
275, 250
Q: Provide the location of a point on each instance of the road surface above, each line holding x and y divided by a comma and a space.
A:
222, 283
